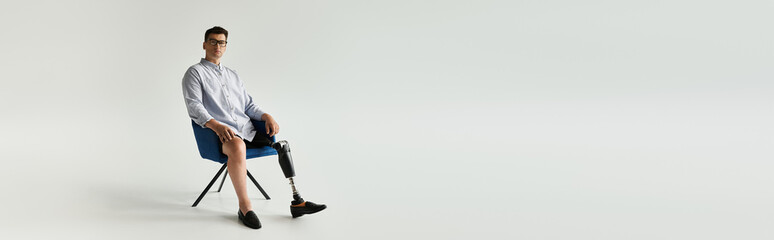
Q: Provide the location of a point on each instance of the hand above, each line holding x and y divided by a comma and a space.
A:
224, 133
272, 128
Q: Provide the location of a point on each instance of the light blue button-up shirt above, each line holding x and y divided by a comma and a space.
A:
216, 92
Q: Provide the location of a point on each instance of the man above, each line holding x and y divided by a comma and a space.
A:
216, 99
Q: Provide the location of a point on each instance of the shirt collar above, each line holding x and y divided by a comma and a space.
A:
212, 65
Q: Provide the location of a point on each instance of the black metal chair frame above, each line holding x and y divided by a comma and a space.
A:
224, 180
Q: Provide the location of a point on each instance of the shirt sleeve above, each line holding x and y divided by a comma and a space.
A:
192, 93
252, 110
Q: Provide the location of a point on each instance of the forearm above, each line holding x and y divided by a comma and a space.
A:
197, 112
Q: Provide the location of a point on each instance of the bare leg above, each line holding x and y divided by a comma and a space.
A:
237, 167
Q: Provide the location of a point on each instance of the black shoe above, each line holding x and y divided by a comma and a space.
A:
309, 208
250, 219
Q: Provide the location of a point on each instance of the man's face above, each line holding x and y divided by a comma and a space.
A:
215, 51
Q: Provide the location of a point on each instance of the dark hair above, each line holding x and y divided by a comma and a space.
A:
215, 30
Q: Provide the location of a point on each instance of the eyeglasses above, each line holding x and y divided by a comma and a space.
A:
214, 42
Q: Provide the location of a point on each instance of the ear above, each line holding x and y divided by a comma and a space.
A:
203, 47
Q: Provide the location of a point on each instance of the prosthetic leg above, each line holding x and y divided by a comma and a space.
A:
286, 163
298, 207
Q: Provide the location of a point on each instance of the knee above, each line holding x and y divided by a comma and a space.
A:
282, 146
234, 149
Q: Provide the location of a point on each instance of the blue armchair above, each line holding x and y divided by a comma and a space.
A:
209, 148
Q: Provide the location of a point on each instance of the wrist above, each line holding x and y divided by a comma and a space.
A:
266, 117
211, 124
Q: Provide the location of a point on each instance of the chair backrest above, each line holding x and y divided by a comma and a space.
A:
207, 142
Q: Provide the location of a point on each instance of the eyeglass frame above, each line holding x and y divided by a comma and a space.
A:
216, 42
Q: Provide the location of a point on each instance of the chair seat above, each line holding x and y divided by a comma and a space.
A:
207, 142
260, 152
252, 153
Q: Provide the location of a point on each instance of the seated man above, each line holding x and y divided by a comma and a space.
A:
216, 99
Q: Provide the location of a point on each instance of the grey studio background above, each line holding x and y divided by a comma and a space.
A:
410, 119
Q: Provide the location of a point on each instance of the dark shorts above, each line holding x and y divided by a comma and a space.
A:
258, 141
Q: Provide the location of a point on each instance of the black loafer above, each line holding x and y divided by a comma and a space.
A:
250, 219
309, 208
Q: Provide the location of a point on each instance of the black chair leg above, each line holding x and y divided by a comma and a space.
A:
258, 185
224, 180
209, 185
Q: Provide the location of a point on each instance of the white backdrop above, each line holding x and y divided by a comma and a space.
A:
410, 119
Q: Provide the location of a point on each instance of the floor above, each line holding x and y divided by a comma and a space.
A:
486, 119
